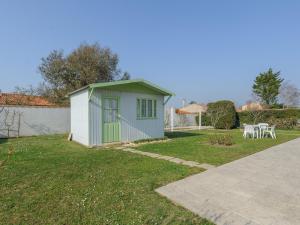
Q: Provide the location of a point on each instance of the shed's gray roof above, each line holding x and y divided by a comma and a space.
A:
122, 83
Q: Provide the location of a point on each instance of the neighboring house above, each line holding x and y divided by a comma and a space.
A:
252, 106
119, 111
28, 115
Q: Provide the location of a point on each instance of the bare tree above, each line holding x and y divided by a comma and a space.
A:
183, 120
255, 115
2, 117
167, 117
10, 121
25, 95
289, 94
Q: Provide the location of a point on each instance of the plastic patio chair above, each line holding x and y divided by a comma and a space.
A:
271, 131
262, 128
250, 130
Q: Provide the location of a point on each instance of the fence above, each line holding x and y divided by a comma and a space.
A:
29, 121
180, 121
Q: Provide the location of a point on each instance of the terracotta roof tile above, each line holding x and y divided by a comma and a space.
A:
25, 100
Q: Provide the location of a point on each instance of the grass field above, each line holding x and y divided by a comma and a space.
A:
194, 145
48, 180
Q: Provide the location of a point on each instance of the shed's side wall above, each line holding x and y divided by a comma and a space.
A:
80, 117
131, 128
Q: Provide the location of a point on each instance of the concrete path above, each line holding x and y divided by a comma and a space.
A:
169, 158
261, 189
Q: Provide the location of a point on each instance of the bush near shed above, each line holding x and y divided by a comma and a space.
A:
220, 115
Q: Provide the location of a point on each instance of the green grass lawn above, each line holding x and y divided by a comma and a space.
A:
194, 145
48, 180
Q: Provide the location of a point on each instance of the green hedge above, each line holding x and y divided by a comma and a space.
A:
285, 119
284, 123
262, 116
282, 118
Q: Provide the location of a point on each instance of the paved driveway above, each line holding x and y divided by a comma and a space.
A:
261, 189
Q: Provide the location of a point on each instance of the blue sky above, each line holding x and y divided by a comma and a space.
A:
201, 50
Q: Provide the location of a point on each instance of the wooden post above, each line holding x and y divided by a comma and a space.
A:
19, 124
200, 120
172, 119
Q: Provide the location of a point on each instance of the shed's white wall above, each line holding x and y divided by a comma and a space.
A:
80, 117
131, 128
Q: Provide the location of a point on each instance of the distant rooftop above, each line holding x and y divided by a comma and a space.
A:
24, 100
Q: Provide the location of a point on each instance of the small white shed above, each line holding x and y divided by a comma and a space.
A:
119, 111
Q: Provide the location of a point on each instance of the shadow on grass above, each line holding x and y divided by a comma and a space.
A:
3, 140
180, 134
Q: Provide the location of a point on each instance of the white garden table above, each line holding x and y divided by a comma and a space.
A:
257, 129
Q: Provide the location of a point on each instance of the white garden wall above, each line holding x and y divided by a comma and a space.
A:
30, 121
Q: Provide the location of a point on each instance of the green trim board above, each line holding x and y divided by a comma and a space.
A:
128, 85
91, 92
111, 124
166, 101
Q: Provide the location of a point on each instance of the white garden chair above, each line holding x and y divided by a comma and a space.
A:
271, 131
262, 128
250, 130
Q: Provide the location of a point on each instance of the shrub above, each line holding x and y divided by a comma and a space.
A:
221, 139
222, 114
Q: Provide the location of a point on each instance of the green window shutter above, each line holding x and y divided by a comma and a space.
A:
150, 108
138, 108
154, 109
144, 108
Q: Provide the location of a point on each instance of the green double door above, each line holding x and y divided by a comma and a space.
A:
111, 120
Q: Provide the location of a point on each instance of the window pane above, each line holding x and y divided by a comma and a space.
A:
106, 103
154, 107
144, 108
150, 108
114, 104
138, 108
107, 116
114, 116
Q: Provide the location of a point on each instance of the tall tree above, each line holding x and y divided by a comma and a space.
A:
126, 76
266, 86
289, 94
85, 65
